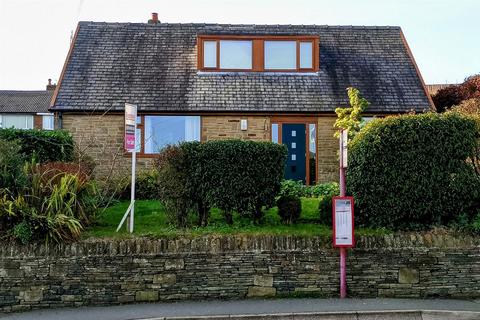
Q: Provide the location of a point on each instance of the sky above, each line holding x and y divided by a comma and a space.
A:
444, 35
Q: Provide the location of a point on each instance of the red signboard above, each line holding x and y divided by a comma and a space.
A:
343, 226
130, 126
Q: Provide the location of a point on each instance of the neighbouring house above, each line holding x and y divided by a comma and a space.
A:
27, 109
433, 88
200, 82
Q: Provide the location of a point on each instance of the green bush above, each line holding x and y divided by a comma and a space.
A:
42, 145
241, 176
146, 186
289, 208
232, 175
326, 192
322, 189
413, 171
292, 188
173, 182
50, 207
11, 166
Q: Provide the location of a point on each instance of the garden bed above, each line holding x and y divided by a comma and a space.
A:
151, 220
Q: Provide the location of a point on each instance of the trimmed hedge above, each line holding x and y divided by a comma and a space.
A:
43, 145
413, 172
242, 176
232, 175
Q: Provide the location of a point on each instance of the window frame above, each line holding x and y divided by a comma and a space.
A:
258, 52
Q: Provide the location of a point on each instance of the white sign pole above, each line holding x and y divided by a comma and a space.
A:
130, 146
132, 194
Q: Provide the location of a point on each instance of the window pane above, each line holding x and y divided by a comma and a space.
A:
235, 54
275, 132
161, 131
18, 121
209, 54
305, 55
280, 55
312, 142
47, 122
138, 140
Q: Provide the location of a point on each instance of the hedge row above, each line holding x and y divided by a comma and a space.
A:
43, 145
232, 175
415, 171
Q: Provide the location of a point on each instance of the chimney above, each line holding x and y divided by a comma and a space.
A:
154, 19
50, 86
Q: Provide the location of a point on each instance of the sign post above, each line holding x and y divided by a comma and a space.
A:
130, 146
343, 226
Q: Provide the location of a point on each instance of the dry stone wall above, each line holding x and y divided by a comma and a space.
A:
109, 272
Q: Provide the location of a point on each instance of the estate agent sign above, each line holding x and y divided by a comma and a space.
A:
130, 126
130, 146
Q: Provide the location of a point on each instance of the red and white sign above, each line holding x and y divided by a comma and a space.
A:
343, 230
130, 126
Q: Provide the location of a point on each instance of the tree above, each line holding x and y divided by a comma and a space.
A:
454, 95
351, 118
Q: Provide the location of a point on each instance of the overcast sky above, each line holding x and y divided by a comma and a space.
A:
444, 35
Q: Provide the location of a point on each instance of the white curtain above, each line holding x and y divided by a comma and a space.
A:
18, 121
192, 128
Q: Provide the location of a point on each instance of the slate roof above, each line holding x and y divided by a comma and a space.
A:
154, 66
12, 101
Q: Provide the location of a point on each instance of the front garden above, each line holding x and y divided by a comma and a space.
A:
411, 172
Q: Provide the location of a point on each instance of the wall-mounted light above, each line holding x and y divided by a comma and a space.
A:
243, 124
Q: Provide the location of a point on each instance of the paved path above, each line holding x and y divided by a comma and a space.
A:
182, 309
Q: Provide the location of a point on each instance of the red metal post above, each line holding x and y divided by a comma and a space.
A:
343, 251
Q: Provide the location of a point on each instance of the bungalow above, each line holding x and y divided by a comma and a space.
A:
199, 82
27, 109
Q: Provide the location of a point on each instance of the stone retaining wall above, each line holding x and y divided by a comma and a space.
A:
230, 267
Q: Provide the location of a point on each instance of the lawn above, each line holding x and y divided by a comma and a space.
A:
151, 220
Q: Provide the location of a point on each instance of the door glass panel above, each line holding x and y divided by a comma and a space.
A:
312, 143
275, 132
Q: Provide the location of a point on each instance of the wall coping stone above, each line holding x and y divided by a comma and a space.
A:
236, 243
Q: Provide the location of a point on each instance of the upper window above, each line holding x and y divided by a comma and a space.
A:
258, 53
280, 55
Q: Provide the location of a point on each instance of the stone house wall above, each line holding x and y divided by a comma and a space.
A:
101, 137
108, 272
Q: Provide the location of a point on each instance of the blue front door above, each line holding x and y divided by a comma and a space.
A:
293, 136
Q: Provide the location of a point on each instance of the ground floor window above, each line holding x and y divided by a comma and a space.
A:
156, 132
48, 121
17, 121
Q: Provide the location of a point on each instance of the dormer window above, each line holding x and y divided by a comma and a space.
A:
258, 53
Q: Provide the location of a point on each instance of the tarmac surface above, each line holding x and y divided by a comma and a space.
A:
243, 307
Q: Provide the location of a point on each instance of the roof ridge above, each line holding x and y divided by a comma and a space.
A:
200, 24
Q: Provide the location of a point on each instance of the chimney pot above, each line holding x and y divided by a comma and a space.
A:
50, 86
154, 19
